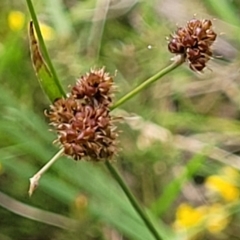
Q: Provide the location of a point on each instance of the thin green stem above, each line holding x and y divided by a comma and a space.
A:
132, 200
43, 46
149, 81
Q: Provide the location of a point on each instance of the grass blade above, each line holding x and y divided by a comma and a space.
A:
46, 80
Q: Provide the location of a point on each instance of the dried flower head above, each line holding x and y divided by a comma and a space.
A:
95, 86
82, 120
194, 42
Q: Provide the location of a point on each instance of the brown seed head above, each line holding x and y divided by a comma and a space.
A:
194, 42
83, 121
96, 86
62, 110
90, 134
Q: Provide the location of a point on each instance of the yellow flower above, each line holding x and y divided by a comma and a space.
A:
47, 32
187, 216
217, 219
213, 218
227, 190
16, 20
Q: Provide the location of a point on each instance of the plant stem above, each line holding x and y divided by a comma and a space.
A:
43, 46
177, 62
132, 200
35, 179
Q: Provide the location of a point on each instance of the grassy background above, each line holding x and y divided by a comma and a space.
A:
167, 126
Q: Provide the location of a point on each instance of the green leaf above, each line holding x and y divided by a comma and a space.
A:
45, 77
173, 188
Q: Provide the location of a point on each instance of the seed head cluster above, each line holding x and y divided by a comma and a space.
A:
194, 42
94, 87
82, 120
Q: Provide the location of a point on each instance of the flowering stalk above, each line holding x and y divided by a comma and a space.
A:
90, 105
85, 129
82, 120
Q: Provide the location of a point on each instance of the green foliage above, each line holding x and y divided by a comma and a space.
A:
183, 104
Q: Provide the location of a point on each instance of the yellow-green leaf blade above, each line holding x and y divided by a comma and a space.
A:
46, 80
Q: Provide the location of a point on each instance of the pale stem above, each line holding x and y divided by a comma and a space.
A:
35, 179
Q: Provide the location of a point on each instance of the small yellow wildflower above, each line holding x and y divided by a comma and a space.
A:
187, 216
217, 219
227, 190
213, 218
47, 32
16, 20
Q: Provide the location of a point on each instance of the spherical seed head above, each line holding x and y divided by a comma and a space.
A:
194, 42
90, 134
61, 111
82, 120
97, 85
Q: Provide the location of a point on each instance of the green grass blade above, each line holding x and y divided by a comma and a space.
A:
46, 80
172, 190
225, 10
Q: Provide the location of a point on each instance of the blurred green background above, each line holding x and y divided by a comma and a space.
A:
180, 141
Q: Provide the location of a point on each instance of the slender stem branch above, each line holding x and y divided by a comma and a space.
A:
43, 46
149, 81
35, 179
132, 200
